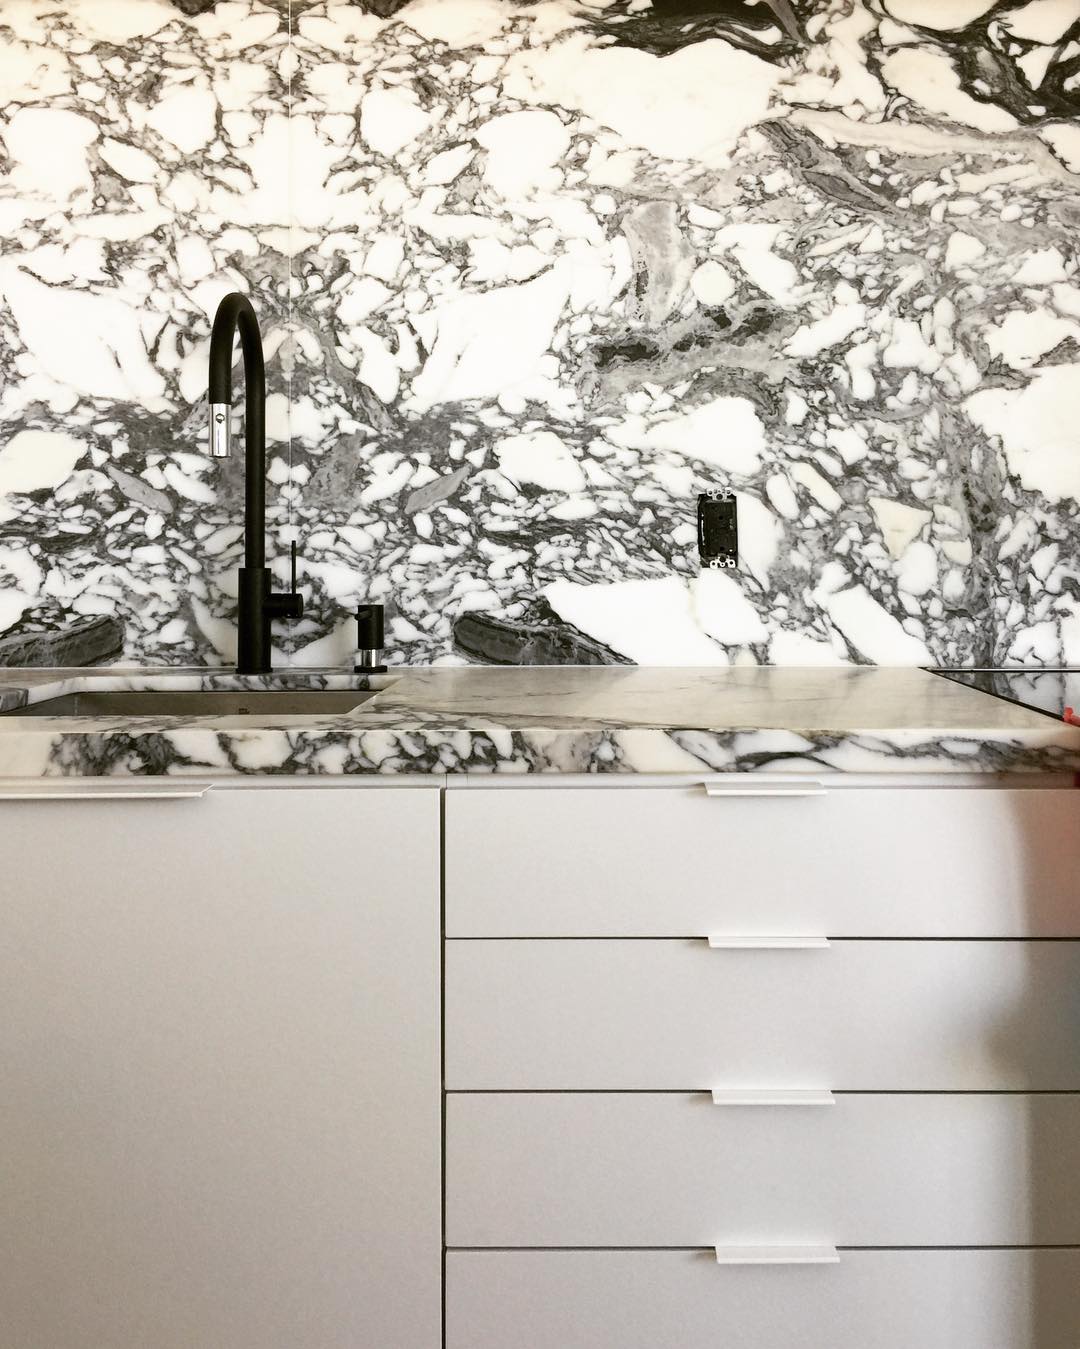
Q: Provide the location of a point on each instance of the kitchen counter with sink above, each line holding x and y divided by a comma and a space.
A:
484, 720
464, 1007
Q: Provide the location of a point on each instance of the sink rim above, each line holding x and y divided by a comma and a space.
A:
90, 703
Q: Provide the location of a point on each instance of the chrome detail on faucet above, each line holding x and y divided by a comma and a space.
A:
220, 430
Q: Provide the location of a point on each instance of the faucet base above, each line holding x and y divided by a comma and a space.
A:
253, 621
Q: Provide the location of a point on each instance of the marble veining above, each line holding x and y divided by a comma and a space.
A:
555, 720
531, 276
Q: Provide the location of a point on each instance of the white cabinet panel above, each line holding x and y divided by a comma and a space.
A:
658, 1169
219, 1050
679, 1015
278, 843
684, 1300
674, 862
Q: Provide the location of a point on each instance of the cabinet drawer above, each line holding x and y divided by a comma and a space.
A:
151, 850
649, 1169
869, 1300
674, 862
681, 1016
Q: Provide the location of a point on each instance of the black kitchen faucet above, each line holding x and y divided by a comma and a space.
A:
257, 605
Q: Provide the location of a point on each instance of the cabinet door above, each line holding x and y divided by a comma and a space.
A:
219, 1056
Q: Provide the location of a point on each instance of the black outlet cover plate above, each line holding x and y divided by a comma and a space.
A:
718, 530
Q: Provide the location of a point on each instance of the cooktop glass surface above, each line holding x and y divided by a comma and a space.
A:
1055, 692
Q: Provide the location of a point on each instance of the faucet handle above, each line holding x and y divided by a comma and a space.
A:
294, 601
284, 603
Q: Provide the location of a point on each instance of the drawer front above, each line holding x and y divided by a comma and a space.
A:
674, 862
647, 1169
656, 1299
681, 1016
149, 850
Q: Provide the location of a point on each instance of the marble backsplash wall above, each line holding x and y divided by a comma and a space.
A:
531, 276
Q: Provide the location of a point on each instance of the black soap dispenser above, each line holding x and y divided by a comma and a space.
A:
369, 640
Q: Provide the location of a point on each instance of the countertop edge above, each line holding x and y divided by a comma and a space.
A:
493, 722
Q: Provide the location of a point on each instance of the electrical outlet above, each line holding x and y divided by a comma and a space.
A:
718, 530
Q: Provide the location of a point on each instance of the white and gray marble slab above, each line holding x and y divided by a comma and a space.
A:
557, 720
531, 276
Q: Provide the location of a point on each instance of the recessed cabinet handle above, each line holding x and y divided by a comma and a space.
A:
777, 1255
790, 787
722, 942
782, 1096
94, 790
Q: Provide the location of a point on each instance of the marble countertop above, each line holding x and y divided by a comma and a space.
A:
559, 719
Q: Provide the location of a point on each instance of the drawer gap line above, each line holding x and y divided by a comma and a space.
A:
706, 1091
749, 937
711, 1249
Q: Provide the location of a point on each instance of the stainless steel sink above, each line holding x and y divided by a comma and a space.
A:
199, 703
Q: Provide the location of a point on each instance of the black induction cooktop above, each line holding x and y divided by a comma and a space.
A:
1056, 693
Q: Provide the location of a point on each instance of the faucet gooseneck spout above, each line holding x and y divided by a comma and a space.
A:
257, 604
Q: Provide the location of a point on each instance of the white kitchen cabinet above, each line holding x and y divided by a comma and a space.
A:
624, 952
219, 1069
748, 855
671, 1015
620, 1169
685, 1300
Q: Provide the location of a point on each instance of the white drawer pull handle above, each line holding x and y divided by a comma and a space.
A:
721, 942
94, 790
810, 787
777, 1255
784, 1096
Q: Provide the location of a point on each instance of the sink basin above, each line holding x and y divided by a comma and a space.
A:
198, 703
